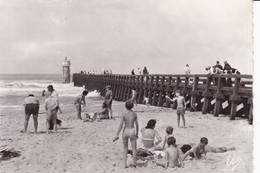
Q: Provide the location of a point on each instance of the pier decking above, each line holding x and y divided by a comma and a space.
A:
217, 94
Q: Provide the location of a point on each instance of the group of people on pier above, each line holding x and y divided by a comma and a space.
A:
139, 72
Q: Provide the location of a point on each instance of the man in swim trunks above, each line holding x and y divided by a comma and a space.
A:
31, 107
130, 131
108, 100
181, 106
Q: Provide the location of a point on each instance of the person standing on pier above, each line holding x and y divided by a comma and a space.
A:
108, 100
145, 71
227, 67
187, 69
133, 72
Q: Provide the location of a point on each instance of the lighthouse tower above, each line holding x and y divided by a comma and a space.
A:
66, 71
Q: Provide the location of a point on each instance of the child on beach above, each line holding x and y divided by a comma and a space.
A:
31, 107
78, 101
172, 155
208, 148
181, 106
129, 120
169, 133
146, 101
133, 98
198, 150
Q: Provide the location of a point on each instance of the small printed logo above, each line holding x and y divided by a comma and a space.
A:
232, 162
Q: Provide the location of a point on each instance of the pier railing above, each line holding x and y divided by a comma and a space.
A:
217, 94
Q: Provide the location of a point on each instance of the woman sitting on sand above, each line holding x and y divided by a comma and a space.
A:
148, 136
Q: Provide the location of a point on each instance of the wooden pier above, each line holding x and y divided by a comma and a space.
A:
217, 94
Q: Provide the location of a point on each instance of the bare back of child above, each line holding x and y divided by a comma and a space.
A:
172, 155
130, 131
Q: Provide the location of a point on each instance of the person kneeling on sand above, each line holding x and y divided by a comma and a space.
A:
51, 106
104, 114
198, 150
172, 155
31, 107
130, 131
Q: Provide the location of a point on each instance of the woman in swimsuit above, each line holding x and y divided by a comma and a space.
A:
148, 136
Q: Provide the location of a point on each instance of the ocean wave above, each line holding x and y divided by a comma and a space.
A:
23, 88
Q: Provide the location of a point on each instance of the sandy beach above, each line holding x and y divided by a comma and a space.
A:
87, 147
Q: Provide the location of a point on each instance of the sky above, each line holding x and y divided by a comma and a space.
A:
121, 35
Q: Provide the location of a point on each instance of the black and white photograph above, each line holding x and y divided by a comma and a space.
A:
126, 86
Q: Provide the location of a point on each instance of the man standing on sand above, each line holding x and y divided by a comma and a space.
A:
51, 106
31, 107
108, 99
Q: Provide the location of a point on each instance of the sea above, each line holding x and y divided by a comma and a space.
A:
14, 88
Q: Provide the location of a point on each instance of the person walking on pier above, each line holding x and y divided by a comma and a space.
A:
108, 100
181, 106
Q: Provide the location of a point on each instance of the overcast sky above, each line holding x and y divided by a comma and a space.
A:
162, 35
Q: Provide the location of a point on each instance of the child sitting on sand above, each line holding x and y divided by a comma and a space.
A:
181, 106
198, 150
130, 131
169, 131
172, 155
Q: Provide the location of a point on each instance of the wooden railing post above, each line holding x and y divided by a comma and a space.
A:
160, 103
155, 90
207, 94
150, 86
219, 97
168, 92
194, 94
235, 98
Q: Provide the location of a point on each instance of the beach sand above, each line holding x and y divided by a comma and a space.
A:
87, 147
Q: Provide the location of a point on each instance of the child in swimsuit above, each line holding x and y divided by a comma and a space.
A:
181, 106
198, 150
172, 155
130, 130
169, 131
